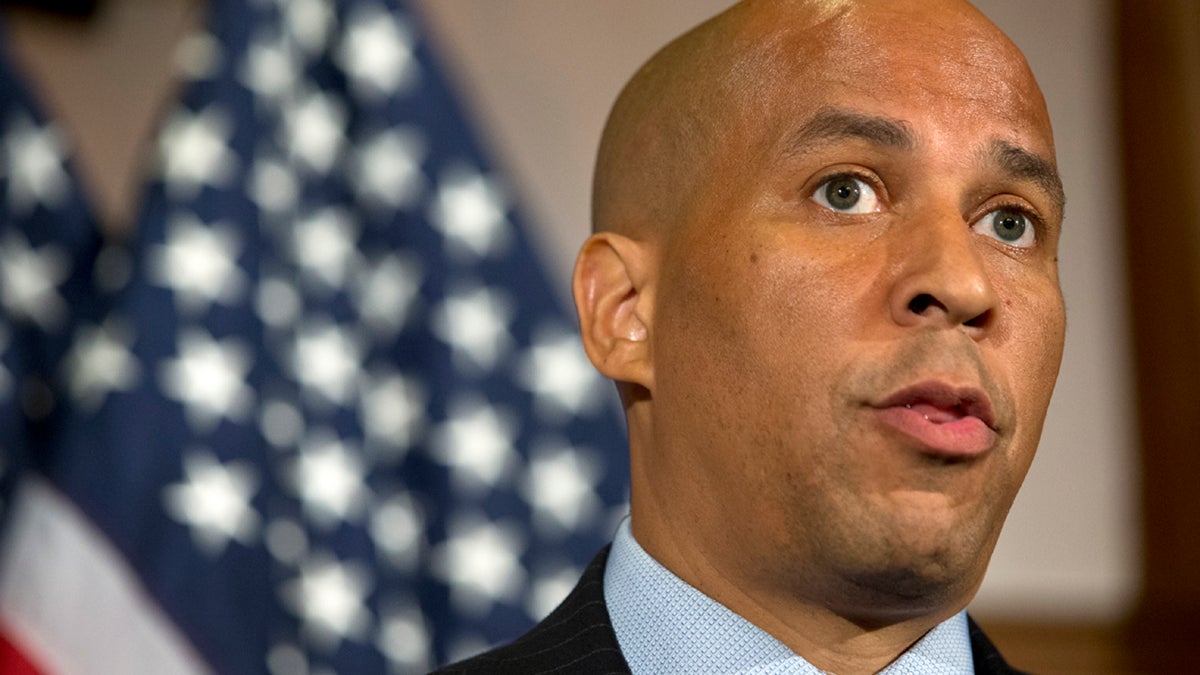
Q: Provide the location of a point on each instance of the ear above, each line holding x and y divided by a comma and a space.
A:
613, 296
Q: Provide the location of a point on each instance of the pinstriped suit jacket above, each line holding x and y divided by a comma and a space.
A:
578, 638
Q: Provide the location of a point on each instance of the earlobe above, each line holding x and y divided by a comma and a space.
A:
613, 298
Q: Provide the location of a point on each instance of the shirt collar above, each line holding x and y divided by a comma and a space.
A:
664, 625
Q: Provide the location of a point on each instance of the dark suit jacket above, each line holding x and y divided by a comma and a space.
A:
578, 638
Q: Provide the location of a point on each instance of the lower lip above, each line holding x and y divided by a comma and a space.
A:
962, 438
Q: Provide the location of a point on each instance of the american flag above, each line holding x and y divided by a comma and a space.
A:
321, 411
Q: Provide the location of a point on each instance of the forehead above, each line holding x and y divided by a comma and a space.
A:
939, 66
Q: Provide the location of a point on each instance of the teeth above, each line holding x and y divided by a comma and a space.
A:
935, 414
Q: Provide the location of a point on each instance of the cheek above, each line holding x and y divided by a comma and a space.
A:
809, 301
1029, 352
1033, 340
759, 327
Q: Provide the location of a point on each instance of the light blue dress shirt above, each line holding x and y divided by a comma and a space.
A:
666, 626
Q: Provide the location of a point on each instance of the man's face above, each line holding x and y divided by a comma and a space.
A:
858, 326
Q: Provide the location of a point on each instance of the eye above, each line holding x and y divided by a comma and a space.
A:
1007, 225
846, 194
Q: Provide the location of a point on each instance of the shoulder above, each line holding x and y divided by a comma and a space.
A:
577, 637
988, 660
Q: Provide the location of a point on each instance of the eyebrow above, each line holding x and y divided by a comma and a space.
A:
1025, 165
831, 124
836, 124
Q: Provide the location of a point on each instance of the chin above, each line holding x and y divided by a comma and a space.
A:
889, 596
917, 570
935, 534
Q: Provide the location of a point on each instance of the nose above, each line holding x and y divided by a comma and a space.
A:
941, 278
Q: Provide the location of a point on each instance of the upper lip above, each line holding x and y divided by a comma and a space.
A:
968, 400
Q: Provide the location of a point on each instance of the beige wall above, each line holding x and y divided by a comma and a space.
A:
542, 74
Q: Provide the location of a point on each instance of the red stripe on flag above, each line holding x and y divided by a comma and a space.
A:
13, 660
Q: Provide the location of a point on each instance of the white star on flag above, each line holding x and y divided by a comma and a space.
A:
278, 303
325, 360
315, 125
323, 244
376, 53
209, 379
475, 443
285, 658
384, 292
328, 477
194, 151
397, 528
404, 638
387, 168
309, 21
34, 163
560, 376
214, 500
393, 412
273, 186
474, 322
270, 68
286, 540
470, 212
100, 362
281, 423
29, 280
560, 487
199, 263
480, 560
329, 596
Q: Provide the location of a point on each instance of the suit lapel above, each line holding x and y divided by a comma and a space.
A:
577, 637
988, 660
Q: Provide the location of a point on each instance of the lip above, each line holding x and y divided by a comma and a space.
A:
952, 422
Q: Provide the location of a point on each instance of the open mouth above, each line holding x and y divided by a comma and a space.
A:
944, 420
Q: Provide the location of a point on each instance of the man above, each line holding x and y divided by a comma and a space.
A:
824, 278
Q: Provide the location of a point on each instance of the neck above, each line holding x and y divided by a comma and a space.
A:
836, 641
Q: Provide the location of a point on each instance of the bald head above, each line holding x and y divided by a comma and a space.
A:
659, 131
665, 135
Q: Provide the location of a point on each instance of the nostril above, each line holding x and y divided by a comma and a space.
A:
920, 303
980, 320
930, 307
